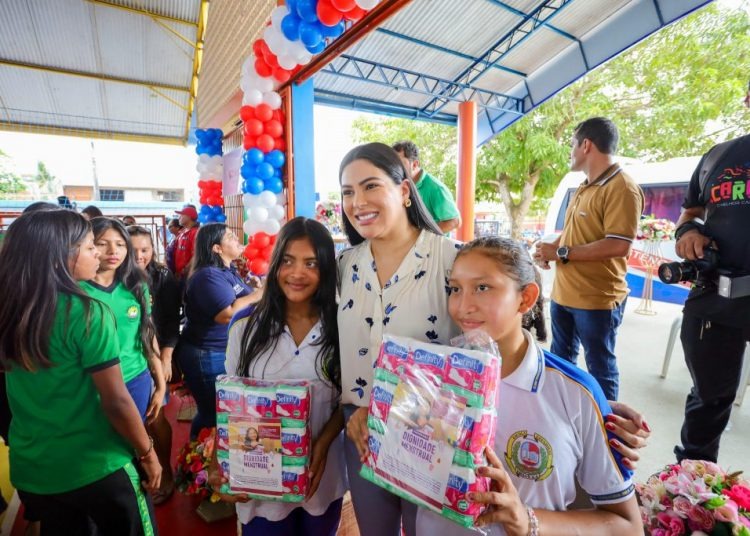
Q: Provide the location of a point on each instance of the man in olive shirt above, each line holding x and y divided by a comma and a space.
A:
601, 222
435, 195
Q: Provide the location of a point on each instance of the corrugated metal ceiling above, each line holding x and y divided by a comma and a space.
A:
99, 68
529, 49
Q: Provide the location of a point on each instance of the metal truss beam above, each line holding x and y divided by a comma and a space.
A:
142, 11
351, 102
536, 18
401, 79
522, 14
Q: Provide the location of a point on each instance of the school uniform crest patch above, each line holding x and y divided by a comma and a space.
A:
529, 456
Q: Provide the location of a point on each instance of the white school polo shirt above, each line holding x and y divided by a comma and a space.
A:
287, 361
414, 303
550, 433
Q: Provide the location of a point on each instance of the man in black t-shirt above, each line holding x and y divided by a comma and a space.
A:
715, 329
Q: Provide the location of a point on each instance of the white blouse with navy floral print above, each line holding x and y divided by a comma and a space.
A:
414, 303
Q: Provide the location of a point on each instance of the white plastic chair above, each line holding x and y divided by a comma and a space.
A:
674, 331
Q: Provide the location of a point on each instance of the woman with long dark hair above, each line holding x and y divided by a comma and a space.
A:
74, 426
122, 286
165, 312
214, 294
292, 335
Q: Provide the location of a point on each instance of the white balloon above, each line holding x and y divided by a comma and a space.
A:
274, 39
252, 98
271, 227
277, 15
267, 198
214, 178
305, 58
264, 84
367, 4
259, 214
250, 227
204, 158
281, 199
277, 212
287, 61
273, 99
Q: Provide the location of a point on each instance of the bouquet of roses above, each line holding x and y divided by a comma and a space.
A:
695, 497
656, 229
191, 476
329, 214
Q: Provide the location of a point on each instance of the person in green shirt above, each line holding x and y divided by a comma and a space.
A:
436, 196
123, 287
75, 430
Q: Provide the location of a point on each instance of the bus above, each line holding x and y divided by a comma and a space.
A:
664, 185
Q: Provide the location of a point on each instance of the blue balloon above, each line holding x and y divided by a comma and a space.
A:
291, 5
205, 209
221, 218
307, 10
200, 135
253, 156
217, 210
317, 49
275, 185
264, 171
201, 149
253, 186
275, 158
217, 133
310, 34
333, 31
202, 218
247, 171
290, 26
277, 173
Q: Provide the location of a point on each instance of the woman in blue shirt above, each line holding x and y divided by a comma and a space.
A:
214, 294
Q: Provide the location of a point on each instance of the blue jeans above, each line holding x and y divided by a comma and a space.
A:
596, 330
200, 367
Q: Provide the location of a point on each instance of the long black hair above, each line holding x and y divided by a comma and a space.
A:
266, 322
131, 277
153, 267
386, 159
515, 261
31, 282
204, 255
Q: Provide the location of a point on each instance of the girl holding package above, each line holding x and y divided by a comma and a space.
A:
552, 416
122, 286
292, 335
394, 280
75, 430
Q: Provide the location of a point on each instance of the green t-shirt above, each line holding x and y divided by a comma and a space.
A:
61, 438
127, 313
437, 198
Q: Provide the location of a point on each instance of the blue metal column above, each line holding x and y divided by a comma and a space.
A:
303, 149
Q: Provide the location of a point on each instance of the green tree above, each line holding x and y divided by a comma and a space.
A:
10, 183
43, 177
675, 94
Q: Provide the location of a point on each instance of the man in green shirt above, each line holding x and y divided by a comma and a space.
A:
434, 194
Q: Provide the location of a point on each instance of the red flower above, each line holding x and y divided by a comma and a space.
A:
740, 495
204, 433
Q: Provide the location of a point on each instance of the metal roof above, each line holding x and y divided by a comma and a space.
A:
121, 69
507, 55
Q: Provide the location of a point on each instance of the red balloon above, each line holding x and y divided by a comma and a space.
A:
279, 116
247, 113
281, 75
258, 47
213, 200
273, 128
265, 253
202, 184
264, 112
272, 60
344, 5
265, 143
250, 252
249, 142
279, 144
261, 240
262, 68
259, 266
327, 14
250, 240
253, 127
355, 14
272, 238
264, 50
219, 201
203, 200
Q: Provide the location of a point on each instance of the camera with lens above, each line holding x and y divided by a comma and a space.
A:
705, 273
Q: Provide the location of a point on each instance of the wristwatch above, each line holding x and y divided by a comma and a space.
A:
562, 254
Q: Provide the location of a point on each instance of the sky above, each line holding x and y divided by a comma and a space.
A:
135, 164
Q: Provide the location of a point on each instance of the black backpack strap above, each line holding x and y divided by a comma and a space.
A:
714, 155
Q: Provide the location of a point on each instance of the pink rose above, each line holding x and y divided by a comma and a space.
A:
740, 495
727, 512
700, 519
681, 506
674, 526
745, 521
666, 502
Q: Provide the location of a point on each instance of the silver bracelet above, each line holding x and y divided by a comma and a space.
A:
533, 521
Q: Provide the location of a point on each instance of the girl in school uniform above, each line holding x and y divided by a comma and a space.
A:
292, 335
122, 286
76, 435
552, 416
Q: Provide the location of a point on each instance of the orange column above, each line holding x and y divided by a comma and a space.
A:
467, 168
